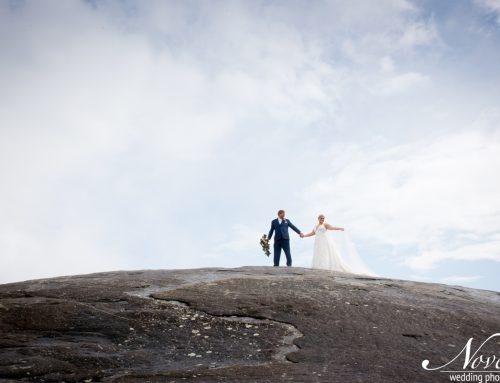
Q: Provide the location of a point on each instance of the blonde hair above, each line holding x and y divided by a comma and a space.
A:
321, 215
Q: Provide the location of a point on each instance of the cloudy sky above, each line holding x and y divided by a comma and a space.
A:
166, 134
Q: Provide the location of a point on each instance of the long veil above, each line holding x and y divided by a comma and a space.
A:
350, 255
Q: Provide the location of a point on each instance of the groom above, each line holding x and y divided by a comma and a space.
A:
282, 239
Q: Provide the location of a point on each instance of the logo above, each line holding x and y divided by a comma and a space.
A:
476, 366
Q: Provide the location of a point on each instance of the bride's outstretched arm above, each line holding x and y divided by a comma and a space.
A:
330, 227
309, 234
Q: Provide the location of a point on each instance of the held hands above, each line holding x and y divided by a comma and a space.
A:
301, 235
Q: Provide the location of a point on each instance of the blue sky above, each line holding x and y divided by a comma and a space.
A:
166, 134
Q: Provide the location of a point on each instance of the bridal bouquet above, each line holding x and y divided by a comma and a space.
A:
264, 242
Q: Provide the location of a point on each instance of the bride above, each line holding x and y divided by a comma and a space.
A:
326, 254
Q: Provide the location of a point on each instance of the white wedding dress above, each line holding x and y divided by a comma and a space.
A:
326, 254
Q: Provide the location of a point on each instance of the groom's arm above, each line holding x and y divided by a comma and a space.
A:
294, 228
271, 231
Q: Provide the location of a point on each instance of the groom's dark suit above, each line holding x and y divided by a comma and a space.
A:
281, 239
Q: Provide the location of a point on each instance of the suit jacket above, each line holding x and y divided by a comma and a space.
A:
281, 230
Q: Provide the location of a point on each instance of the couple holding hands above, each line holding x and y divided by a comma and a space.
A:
325, 253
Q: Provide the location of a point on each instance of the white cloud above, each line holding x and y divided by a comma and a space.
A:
422, 194
387, 64
239, 241
429, 259
419, 33
402, 83
491, 5
106, 127
145, 134
70, 250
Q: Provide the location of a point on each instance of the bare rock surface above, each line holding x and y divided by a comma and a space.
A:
247, 324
